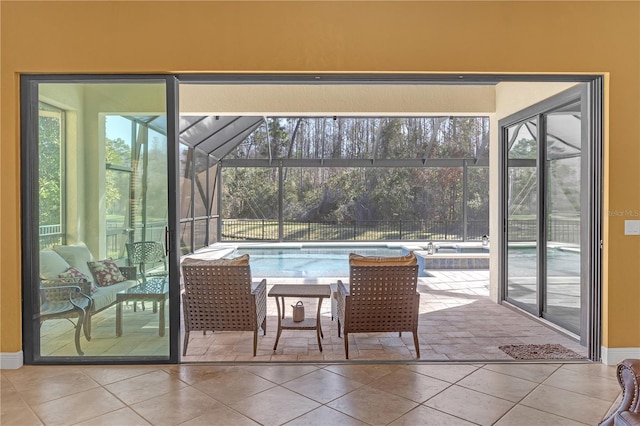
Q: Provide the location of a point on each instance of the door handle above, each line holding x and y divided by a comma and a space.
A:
166, 241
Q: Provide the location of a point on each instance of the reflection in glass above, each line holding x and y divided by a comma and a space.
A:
562, 299
522, 207
102, 184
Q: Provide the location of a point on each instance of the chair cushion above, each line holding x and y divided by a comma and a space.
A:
52, 264
358, 260
76, 255
106, 272
238, 261
106, 296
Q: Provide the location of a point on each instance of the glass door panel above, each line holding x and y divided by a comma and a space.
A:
101, 191
563, 158
522, 215
546, 212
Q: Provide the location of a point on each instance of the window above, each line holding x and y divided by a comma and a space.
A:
51, 148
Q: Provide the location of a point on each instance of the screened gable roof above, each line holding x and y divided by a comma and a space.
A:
216, 135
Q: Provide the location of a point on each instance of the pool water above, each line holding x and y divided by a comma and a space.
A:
308, 262
522, 262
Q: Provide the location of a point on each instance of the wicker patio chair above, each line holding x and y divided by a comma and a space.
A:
219, 296
379, 298
65, 300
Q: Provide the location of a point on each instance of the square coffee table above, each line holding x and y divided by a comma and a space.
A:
280, 291
153, 290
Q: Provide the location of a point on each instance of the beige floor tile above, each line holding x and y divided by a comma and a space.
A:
593, 369
410, 385
124, 416
86, 405
567, 404
195, 373
105, 375
363, 373
260, 357
144, 387
533, 372
606, 388
498, 384
176, 406
524, 416
372, 405
222, 356
471, 405
280, 357
322, 385
14, 410
220, 415
26, 376
53, 387
422, 415
260, 407
280, 373
234, 385
324, 416
447, 372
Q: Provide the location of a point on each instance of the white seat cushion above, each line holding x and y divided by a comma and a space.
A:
52, 264
106, 296
76, 255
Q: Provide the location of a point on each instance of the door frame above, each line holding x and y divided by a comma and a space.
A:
29, 84
30, 245
590, 95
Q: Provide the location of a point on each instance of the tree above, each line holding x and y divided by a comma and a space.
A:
50, 170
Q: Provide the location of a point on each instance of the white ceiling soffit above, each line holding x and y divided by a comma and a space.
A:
343, 99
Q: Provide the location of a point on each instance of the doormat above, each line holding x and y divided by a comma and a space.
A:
548, 351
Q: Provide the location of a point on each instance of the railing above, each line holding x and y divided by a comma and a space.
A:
559, 230
51, 235
372, 230
117, 236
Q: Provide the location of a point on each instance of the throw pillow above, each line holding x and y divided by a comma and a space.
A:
358, 260
106, 272
51, 264
76, 255
73, 275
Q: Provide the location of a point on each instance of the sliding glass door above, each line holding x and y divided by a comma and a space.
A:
522, 214
98, 248
545, 216
563, 186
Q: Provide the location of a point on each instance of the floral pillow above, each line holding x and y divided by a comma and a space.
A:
106, 272
73, 274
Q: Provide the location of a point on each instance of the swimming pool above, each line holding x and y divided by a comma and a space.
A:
560, 262
309, 262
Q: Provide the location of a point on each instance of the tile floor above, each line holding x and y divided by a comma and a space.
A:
462, 378
310, 394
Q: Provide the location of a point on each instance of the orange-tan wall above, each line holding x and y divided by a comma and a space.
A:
334, 36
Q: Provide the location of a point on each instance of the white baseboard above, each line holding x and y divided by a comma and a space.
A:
11, 360
612, 356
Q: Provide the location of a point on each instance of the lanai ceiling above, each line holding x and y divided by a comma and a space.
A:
215, 118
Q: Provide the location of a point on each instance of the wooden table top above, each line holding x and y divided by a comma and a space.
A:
300, 290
